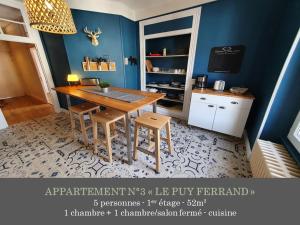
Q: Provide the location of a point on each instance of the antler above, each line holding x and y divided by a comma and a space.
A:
87, 31
98, 32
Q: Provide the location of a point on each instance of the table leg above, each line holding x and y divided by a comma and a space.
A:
154, 107
129, 143
68, 100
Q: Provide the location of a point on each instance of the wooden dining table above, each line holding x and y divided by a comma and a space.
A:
127, 107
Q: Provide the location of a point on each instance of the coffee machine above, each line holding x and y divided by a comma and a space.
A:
201, 81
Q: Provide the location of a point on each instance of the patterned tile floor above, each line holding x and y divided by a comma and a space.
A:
45, 148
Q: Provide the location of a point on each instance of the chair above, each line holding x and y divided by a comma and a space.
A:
107, 119
80, 110
155, 123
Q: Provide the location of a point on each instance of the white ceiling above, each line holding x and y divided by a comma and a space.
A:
135, 9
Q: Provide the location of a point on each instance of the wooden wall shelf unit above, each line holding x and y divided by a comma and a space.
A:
103, 67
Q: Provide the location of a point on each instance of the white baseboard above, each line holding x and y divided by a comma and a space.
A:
247, 143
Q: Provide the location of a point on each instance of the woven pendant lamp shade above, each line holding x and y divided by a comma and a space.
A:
53, 16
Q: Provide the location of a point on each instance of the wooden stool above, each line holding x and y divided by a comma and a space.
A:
80, 110
107, 119
154, 122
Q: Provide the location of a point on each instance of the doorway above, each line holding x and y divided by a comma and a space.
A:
22, 89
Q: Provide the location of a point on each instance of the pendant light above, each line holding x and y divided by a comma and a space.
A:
53, 16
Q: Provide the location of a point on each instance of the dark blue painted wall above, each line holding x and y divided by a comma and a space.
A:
57, 60
181, 23
279, 37
115, 42
235, 22
286, 103
130, 48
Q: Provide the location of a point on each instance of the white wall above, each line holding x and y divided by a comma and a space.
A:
11, 84
27, 71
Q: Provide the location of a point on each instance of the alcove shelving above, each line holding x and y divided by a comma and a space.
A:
167, 60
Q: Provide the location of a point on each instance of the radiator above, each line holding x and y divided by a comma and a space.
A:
270, 160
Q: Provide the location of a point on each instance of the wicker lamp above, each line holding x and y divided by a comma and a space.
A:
53, 16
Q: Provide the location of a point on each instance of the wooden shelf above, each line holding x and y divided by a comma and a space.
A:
105, 67
178, 74
167, 56
176, 108
172, 100
12, 21
157, 86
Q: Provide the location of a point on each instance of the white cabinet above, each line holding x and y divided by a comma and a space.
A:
202, 115
230, 120
220, 113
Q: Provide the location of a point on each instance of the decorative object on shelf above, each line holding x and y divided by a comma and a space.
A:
155, 69
175, 84
52, 16
87, 63
111, 66
152, 90
104, 86
164, 52
154, 54
226, 59
238, 90
132, 60
98, 64
164, 84
181, 97
149, 66
94, 35
72, 79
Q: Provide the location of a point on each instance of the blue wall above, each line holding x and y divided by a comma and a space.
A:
57, 60
235, 22
279, 36
130, 48
115, 42
286, 104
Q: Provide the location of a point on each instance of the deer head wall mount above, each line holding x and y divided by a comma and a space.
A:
94, 35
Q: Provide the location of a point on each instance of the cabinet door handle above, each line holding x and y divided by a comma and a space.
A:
211, 106
221, 107
235, 103
203, 98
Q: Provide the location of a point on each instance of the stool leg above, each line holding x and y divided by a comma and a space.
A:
150, 135
113, 128
108, 141
95, 136
136, 141
72, 123
168, 131
83, 130
139, 112
157, 150
90, 115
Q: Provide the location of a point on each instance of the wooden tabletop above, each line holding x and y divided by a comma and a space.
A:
210, 91
123, 106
